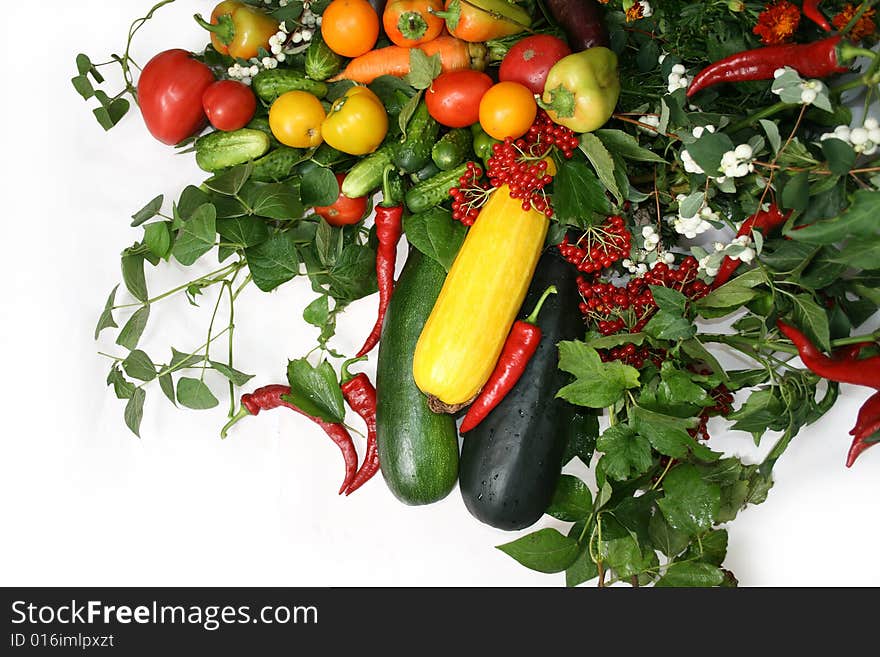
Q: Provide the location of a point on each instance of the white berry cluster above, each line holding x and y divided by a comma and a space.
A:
647, 10
678, 78
864, 139
649, 123
647, 255
689, 164
737, 163
690, 227
738, 249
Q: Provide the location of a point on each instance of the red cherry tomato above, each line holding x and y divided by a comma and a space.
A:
345, 210
530, 60
454, 97
229, 105
170, 95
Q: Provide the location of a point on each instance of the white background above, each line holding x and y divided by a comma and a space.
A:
84, 502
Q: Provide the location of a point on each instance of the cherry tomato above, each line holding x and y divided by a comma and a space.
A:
357, 122
350, 27
530, 60
295, 119
170, 93
230, 105
508, 109
454, 97
345, 210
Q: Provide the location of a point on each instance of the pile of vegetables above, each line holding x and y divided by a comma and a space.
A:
552, 165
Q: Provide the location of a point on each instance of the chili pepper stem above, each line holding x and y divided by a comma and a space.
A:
345, 375
533, 318
242, 412
387, 195
224, 28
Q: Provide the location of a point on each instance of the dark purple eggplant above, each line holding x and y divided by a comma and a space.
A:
581, 20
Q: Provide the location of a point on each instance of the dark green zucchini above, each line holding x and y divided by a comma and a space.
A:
418, 449
511, 461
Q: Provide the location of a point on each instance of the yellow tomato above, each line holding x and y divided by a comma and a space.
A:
357, 122
295, 119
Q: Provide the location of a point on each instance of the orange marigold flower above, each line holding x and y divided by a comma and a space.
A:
777, 23
865, 26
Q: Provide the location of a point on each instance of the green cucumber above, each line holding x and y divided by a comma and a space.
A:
427, 171
261, 123
434, 190
452, 149
414, 151
321, 62
277, 165
418, 449
220, 150
365, 177
510, 462
268, 84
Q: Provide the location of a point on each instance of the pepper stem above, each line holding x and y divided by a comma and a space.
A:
387, 194
347, 376
242, 412
847, 51
224, 28
533, 318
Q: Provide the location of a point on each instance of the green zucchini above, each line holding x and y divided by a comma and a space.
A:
268, 84
510, 462
220, 150
277, 165
414, 151
418, 449
365, 177
321, 62
434, 190
452, 149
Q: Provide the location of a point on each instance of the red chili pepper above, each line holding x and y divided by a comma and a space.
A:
361, 397
811, 11
388, 230
764, 220
867, 425
814, 60
860, 372
521, 344
269, 397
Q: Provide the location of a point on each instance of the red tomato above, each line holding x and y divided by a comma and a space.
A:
229, 105
454, 97
170, 94
530, 60
344, 210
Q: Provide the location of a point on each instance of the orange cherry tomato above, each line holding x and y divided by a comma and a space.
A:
350, 27
344, 210
295, 119
411, 22
508, 109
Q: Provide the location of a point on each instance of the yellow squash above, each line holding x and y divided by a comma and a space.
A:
464, 335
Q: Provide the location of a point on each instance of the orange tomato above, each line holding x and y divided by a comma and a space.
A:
295, 119
350, 27
508, 109
411, 22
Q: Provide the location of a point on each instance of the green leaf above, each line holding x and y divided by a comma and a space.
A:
237, 378
122, 387
623, 555
407, 111
83, 86
274, 261
134, 411
106, 319
734, 293
195, 394
626, 454
435, 234
598, 384
315, 390
317, 312
230, 182
708, 150
319, 187
669, 541
191, 199
166, 383
625, 145
608, 341
840, 155
578, 194
422, 69
689, 504
670, 326
274, 200
131, 333
796, 192
691, 574
858, 220
354, 274
133, 275
762, 408
583, 431
711, 548
668, 299
602, 163
545, 550
690, 205
668, 435
147, 212
571, 501
772, 132
676, 386
582, 570
196, 236
814, 320
695, 349
243, 232
157, 238
139, 366
108, 116
860, 254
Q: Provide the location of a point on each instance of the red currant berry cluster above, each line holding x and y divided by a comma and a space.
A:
723, 406
599, 247
469, 196
544, 133
525, 175
684, 278
630, 354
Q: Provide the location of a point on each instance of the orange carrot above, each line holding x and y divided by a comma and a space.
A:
394, 60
